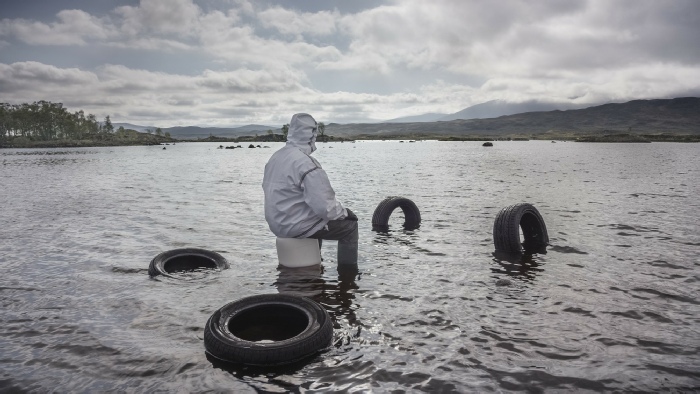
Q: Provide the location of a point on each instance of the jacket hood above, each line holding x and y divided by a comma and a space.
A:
302, 133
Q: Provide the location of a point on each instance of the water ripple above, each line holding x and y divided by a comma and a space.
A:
611, 305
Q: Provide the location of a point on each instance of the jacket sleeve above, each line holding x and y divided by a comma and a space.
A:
320, 196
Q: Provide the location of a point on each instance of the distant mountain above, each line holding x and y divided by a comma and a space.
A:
141, 129
194, 132
489, 109
496, 108
677, 116
429, 117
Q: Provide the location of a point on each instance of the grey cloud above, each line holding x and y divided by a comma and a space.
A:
349, 60
296, 24
177, 17
37, 74
182, 101
247, 81
662, 30
234, 111
73, 27
610, 35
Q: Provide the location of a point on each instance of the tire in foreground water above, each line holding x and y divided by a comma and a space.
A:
506, 234
267, 330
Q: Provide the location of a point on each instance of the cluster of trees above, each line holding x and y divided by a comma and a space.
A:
43, 123
46, 121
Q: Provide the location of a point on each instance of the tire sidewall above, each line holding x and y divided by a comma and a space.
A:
506, 229
157, 265
217, 333
380, 218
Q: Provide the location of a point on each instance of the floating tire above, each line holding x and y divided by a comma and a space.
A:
380, 218
186, 259
506, 234
267, 330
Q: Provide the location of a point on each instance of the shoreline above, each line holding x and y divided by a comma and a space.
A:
612, 138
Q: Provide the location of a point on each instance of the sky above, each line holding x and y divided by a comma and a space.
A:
226, 63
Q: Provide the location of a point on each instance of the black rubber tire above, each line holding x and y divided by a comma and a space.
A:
294, 328
185, 259
506, 235
380, 218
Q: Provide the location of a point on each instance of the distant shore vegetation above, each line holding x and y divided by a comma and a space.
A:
47, 124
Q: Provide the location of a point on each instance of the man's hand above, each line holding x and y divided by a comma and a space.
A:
351, 215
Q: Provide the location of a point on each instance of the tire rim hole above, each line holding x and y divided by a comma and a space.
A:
267, 323
530, 232
397, 219
189, 263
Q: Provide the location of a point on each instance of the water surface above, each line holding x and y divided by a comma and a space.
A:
612, 305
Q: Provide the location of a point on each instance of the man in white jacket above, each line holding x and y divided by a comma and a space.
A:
299, 199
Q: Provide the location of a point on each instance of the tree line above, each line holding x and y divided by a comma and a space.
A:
46, 121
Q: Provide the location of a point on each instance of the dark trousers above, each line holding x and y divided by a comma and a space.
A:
345, 232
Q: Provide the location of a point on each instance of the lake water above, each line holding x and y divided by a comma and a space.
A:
613, 305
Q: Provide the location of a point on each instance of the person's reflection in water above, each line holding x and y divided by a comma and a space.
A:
336, 296
340, 302
301, 281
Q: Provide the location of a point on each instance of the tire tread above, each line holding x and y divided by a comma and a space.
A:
237, 351
380, 218
506, 226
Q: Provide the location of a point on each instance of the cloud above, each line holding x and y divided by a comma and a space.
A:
258, 62
30, 77
282, 80
267, 96
131, 91
293, 23
515, 37
178, 17
73, 27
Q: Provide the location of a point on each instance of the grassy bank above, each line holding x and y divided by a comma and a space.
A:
27, 143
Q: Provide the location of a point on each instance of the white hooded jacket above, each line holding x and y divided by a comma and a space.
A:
299, 199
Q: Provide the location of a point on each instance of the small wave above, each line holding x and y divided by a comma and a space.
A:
654, 195
579, 311
628, 314
665, 348
389, 297
125, 270
51, 153
688, 243
560, 356
19, 288
666, 264
627, 227
190, 275
662, 294
566, 249
674, 371
624, 234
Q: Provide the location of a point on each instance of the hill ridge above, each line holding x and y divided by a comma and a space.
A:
677, 116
